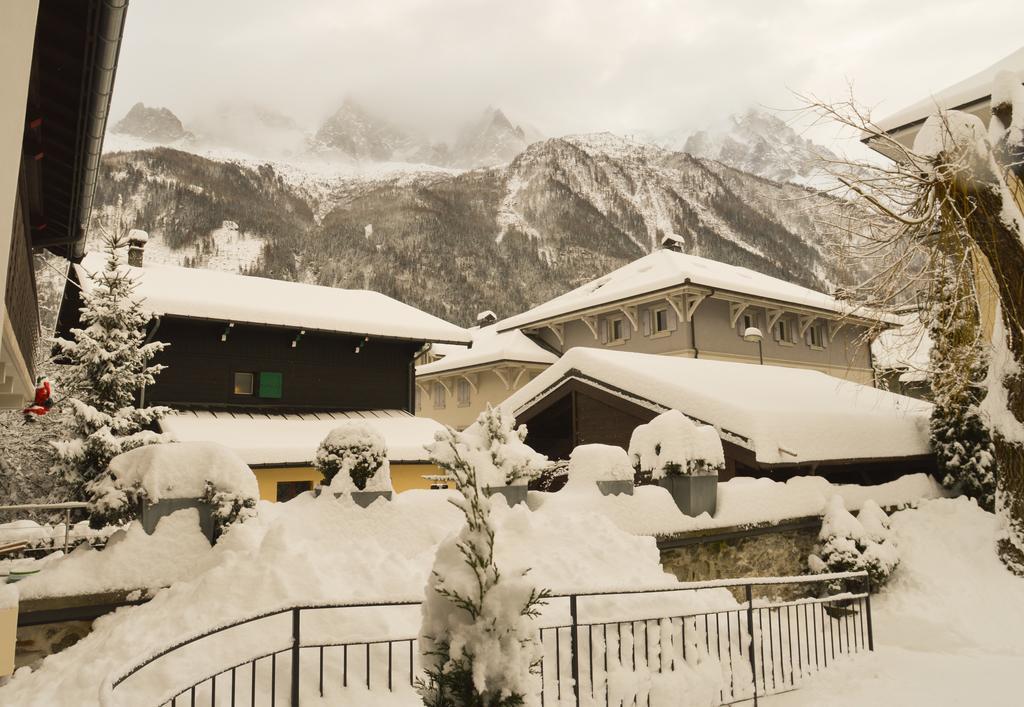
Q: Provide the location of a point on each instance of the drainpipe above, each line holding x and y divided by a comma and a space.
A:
149, 338
108, 40
693, 324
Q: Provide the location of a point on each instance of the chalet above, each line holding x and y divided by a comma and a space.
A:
669, 302
268, 366
58, 65
459, 383
773, 421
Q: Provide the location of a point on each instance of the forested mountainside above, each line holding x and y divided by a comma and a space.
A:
506, 238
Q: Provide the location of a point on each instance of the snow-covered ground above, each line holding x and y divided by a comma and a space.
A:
948, 628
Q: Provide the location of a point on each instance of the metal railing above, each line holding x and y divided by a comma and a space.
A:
762, 646
66, 507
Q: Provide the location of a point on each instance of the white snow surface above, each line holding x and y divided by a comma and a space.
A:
133, 561
674, 439
973, 88
293, 439
742, 501
664, 269
598, 462
182, 470
905, 348
782, 414
947, 626
489, 346
293, 552
191, 292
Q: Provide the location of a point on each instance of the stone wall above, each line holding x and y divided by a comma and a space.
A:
766, 550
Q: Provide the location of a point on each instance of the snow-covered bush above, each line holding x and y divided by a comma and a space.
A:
494, 446
849, 544
477, 640
354, 457
202, 470
673, 444
109, 362
590, 463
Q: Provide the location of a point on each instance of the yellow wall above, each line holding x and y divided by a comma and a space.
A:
403, 477
8, 636
489, 389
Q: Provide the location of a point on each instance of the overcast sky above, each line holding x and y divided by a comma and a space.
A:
563, 65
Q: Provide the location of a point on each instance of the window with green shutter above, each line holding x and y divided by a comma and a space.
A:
271, 384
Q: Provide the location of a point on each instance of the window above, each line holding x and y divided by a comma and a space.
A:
462, 392
419, 399
439, 395
271, 384
783, 332
244, 383
660, 320
616, 330
816, 336
287, 490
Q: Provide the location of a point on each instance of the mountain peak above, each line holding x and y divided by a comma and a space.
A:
492, 140
153, 124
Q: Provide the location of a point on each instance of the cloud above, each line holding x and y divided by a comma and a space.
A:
563, 65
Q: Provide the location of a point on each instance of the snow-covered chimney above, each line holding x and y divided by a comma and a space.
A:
136, 246
486, 317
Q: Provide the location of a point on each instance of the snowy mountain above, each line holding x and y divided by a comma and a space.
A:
455, 243
152, 124
250, 129
354, 133
491, 140
758, 142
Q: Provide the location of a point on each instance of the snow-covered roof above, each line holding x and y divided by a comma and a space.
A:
960, 95
664, 269
205, 294
489, 346
906, 348
783, 415
293, 439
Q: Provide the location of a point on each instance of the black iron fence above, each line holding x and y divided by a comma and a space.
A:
744, 644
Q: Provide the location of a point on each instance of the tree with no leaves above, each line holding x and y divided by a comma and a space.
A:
946, 216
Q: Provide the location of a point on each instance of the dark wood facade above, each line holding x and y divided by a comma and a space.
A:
20, 289
575, 412
322, 371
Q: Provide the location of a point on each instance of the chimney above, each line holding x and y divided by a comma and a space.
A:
136, 246
486, 317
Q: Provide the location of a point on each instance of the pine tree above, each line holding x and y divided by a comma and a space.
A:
109, 363
849, 544
964, 450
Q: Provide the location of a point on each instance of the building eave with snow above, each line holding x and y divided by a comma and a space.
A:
670, 302
772, 420
458, 384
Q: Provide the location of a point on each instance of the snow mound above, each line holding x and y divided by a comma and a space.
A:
182, 470
599, 462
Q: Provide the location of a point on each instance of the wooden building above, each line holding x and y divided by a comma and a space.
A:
773, 421
57, 66
255, 349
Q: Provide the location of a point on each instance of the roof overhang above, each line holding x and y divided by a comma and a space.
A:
689, 288
73, 68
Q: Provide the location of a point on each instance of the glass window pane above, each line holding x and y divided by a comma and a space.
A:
244, 383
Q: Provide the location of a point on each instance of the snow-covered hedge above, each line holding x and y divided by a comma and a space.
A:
673, 444
354, 457
849, 544
590, 463
203, 470
494, 446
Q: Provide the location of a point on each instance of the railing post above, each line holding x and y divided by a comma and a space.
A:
750, 635
574, 649
67, 528
867, 609
295, 657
